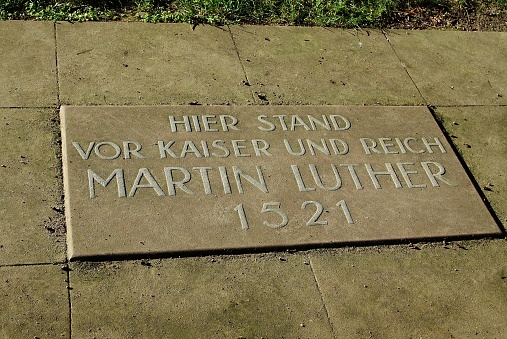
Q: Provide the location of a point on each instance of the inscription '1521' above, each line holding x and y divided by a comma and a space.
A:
283, 219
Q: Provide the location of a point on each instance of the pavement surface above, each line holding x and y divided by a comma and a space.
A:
442, 289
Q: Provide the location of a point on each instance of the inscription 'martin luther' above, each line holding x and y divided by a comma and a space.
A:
166, 179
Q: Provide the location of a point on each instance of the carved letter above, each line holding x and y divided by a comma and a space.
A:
171, 184
152, 183
120, 182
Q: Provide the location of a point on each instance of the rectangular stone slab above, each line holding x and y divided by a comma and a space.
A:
162, 180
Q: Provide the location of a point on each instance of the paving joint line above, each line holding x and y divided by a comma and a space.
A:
29, 107
404, 67
321, 298
34, 264
69, 300
57, 75
470, 105
241, 63
57, 78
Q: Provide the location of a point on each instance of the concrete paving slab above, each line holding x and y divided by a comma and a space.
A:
303, 65
137, 63
479, 133
455, 68
260, 296
456, 291
31, 219
28, 72
140, 182
34, 302
396, 291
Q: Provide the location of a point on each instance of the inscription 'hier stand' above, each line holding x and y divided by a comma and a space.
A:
169, 179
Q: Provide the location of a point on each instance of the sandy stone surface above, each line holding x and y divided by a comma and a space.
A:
31, 209
28, 72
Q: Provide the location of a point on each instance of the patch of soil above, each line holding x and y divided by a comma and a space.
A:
466, 19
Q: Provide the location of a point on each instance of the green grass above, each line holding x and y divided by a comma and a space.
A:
334, 13
291, 12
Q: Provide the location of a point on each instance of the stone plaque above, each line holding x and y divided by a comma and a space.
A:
163, 180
